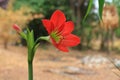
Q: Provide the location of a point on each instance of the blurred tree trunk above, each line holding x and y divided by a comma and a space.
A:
112, 39
78, 11
107, 41
102, 45
72, 7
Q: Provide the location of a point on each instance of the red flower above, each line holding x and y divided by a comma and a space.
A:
17, 28
60, 31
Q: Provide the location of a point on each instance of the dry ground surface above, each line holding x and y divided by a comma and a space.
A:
50, 64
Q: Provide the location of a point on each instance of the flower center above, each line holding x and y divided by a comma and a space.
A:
56, 36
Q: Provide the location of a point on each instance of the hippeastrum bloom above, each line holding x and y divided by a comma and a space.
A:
60, 31
17, 28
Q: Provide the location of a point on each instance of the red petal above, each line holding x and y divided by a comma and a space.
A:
68, 27
70, 40
63, 48
58, 18
17, 28
60, 47
48, 25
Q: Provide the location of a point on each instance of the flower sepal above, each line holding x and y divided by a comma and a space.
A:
23, 35
46, 38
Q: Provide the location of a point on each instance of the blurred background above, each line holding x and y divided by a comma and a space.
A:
100, 41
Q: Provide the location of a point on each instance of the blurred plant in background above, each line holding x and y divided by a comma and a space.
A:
109, 23
7, 18
30, 12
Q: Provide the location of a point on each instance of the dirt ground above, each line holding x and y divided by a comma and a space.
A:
50, 64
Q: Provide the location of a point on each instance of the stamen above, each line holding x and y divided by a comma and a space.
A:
56, 36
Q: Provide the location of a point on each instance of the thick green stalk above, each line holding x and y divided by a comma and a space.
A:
30, 70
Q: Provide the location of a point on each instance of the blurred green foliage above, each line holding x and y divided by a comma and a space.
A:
117, 4
117, 32
74, 12
33, 4
45, 7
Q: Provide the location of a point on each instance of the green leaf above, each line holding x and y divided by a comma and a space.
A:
101, 5
30, 44
31, 38
34, 49
23, 35
36, 45
88, 10
46, 38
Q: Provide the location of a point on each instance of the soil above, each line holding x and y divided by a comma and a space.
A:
51, 64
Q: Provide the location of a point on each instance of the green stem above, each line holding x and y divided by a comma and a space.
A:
30, 70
